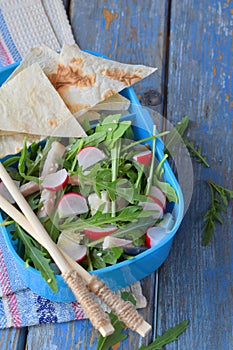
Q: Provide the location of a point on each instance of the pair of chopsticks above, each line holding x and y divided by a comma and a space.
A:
78, 279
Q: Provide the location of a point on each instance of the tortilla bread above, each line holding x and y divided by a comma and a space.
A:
115, 102
12, 144
30, 104
83, 80
43, 55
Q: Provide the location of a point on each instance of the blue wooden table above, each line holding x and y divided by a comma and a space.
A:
191, 43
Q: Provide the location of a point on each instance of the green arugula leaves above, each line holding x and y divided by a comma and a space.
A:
38, 256
219, 201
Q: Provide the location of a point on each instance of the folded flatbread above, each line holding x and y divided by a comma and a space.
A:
30, 104
115, 102
11, 144
83, 80
43, 55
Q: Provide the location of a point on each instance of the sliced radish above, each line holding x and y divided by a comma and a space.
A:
143, 157
72, 203
89, 156
159, 194
154, 235
29, 188
75, 250
155, 205
95, 232
110, 241
5, 193
56, 181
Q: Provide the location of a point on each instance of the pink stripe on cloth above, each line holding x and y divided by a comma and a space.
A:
79, 313
13, 309
6, 55
7, 290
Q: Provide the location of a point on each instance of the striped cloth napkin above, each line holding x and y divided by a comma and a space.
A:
25, 24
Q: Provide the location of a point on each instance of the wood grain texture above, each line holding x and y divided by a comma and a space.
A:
13, 339
128, 31
196, 282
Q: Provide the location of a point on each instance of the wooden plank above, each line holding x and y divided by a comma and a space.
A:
196, 282
12, 339
127, 31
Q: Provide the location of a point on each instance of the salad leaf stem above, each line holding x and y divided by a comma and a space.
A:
195, 151
150, 178
150, 138
115, 155
140, 173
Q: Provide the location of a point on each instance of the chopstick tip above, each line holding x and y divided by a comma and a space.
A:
144, 328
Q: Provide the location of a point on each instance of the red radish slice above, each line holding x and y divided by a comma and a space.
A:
156, 200
153, 204
159, 194
154, 235
72, 203
110, 241
143, 157
89, 156
5, 193
76, 251
56, 181
95, 232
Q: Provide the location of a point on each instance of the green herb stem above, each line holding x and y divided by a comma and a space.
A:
150, 178
115, 155
150, 138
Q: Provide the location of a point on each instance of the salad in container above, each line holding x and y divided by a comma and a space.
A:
90, 163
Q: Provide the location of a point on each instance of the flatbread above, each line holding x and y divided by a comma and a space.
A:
30, 104
43, 55
115, 102
12, 144
83, 80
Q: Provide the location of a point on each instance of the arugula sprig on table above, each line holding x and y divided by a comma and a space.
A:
179, 132
219, 195
219, 201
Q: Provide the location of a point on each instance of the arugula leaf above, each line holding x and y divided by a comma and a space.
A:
103, 257
27, 165
195, 151
95, 139
169, 336
38, 258
219, 201
175, 137
130, 213
167, 189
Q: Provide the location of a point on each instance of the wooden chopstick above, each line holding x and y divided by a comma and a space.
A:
124, 310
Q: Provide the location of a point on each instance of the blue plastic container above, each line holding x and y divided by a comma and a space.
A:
126, 272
